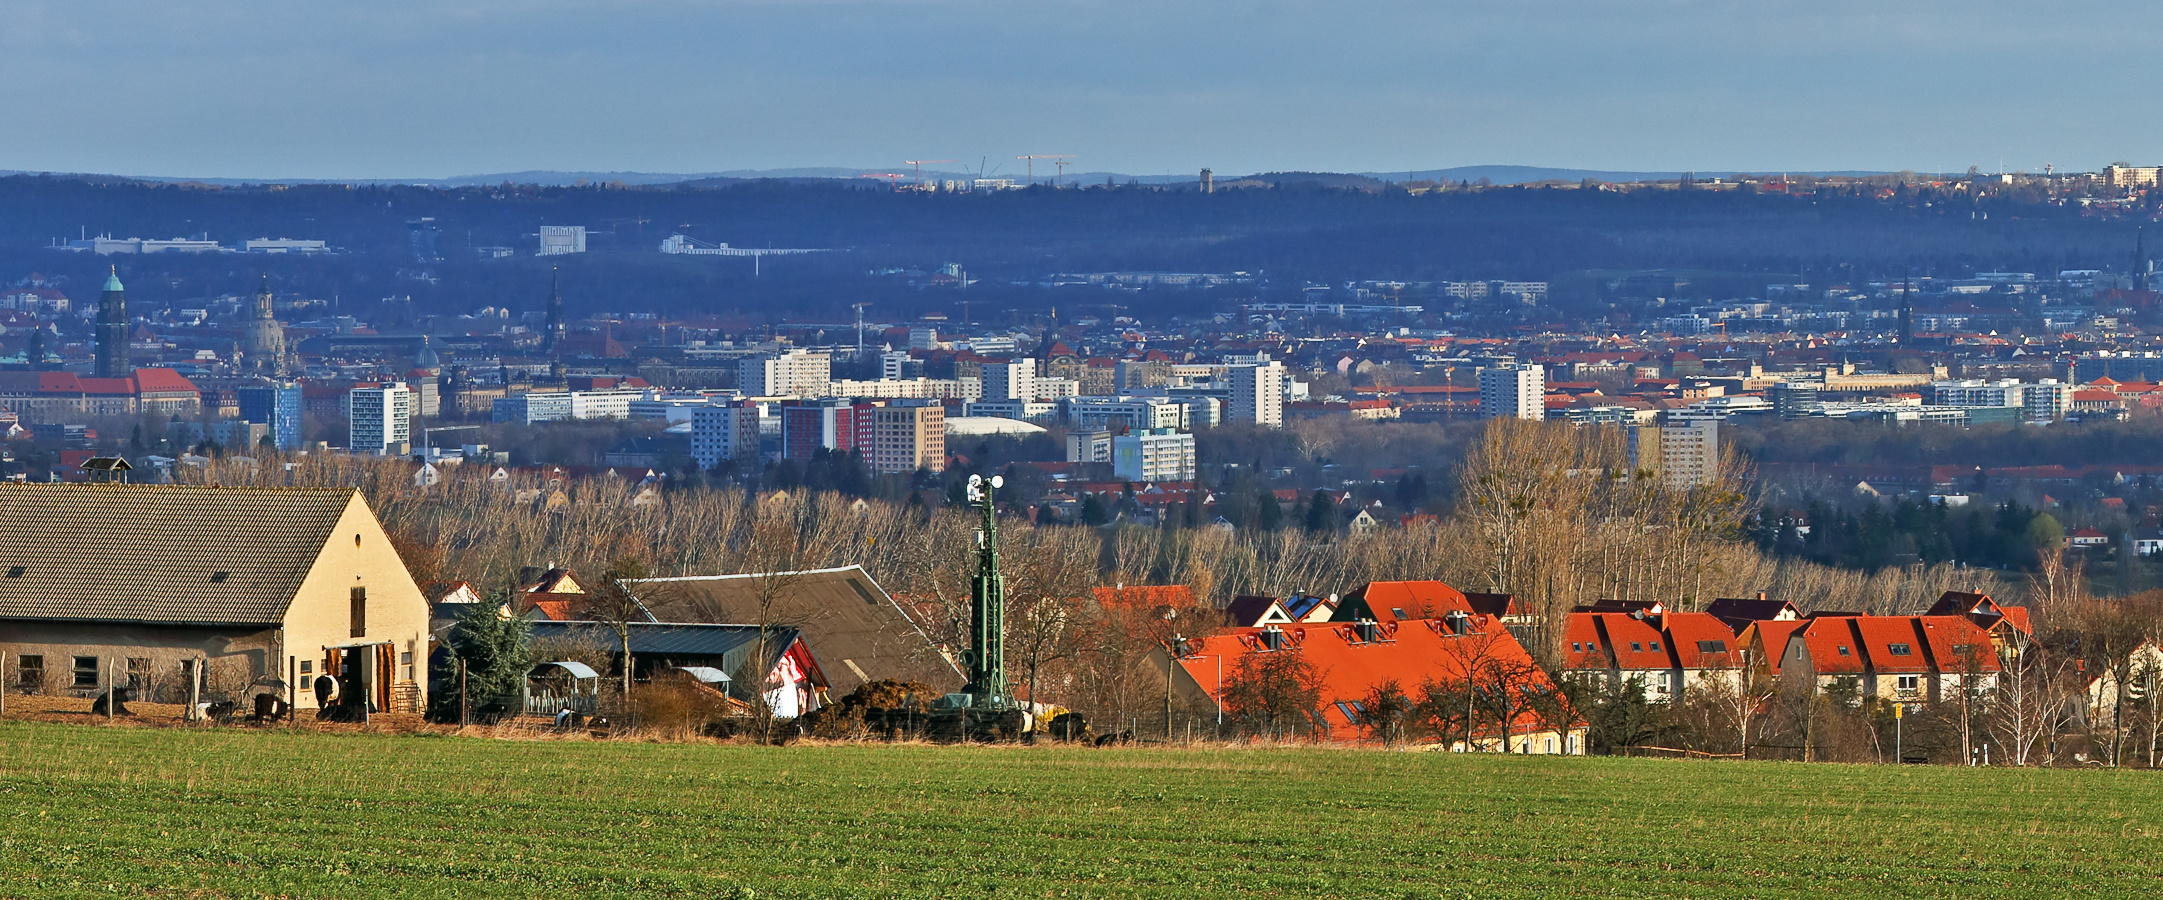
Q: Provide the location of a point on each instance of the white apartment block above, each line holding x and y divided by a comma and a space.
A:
797, 373
1088, 446
1158, 455
608, 404
2041, 401
380, 420
1010, 380
908, 388
1257, 394
1136, 413
1513, 392
723, 431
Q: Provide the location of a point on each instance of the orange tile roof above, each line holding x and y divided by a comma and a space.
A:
1418, 599
1410, 653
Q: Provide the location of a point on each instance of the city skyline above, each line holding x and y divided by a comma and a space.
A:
409, 91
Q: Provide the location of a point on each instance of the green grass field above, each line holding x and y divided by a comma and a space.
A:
95, 811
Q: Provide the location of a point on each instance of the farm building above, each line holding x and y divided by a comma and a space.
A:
718, 655
856, 631
119, 585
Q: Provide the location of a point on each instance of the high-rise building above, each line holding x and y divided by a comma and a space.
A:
1088, 446
836, 425
1257, 394
265, 345
380, 419
1685, 452
1513, 392
724, 431
795, 373
1159, 454
558, 240
110, 357
906, 438
277, 405
1013, 379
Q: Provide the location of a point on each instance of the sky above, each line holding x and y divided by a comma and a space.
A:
401, 89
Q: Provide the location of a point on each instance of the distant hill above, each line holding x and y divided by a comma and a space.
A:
553, 178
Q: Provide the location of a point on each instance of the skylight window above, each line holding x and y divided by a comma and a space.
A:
1899, 649
1843, 649
1636, 647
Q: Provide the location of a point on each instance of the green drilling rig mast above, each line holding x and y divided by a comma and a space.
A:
987, 607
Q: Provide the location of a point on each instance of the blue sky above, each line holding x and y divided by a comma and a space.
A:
316, 89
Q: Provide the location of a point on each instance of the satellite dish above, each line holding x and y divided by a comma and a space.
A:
998, 481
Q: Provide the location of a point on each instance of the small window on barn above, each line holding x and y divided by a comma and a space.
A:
30, 672
307, 667
1899, 649
86, 671
356, 540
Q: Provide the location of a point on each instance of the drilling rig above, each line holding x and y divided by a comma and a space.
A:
983, 710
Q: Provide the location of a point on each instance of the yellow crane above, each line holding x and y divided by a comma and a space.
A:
1052, 156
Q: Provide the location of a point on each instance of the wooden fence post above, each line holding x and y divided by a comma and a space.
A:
111, 672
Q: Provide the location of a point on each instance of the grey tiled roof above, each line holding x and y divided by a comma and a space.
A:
854, 630
152, 553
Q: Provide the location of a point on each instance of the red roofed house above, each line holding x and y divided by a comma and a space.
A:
1917, 659
1667, 654
1351, 660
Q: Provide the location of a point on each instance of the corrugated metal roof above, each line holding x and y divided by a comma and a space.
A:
163, 554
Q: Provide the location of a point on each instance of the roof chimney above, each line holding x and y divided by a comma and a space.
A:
1761, 595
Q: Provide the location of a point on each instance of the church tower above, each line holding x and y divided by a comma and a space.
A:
265, 347
110, 357
552, 343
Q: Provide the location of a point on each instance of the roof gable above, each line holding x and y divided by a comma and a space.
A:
154, 553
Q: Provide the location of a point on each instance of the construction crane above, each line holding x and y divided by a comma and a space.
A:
1033, 158
859, 307
921, 163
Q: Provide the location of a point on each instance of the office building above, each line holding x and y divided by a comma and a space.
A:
1513, 392
379, 418
275, 405
1124, 413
